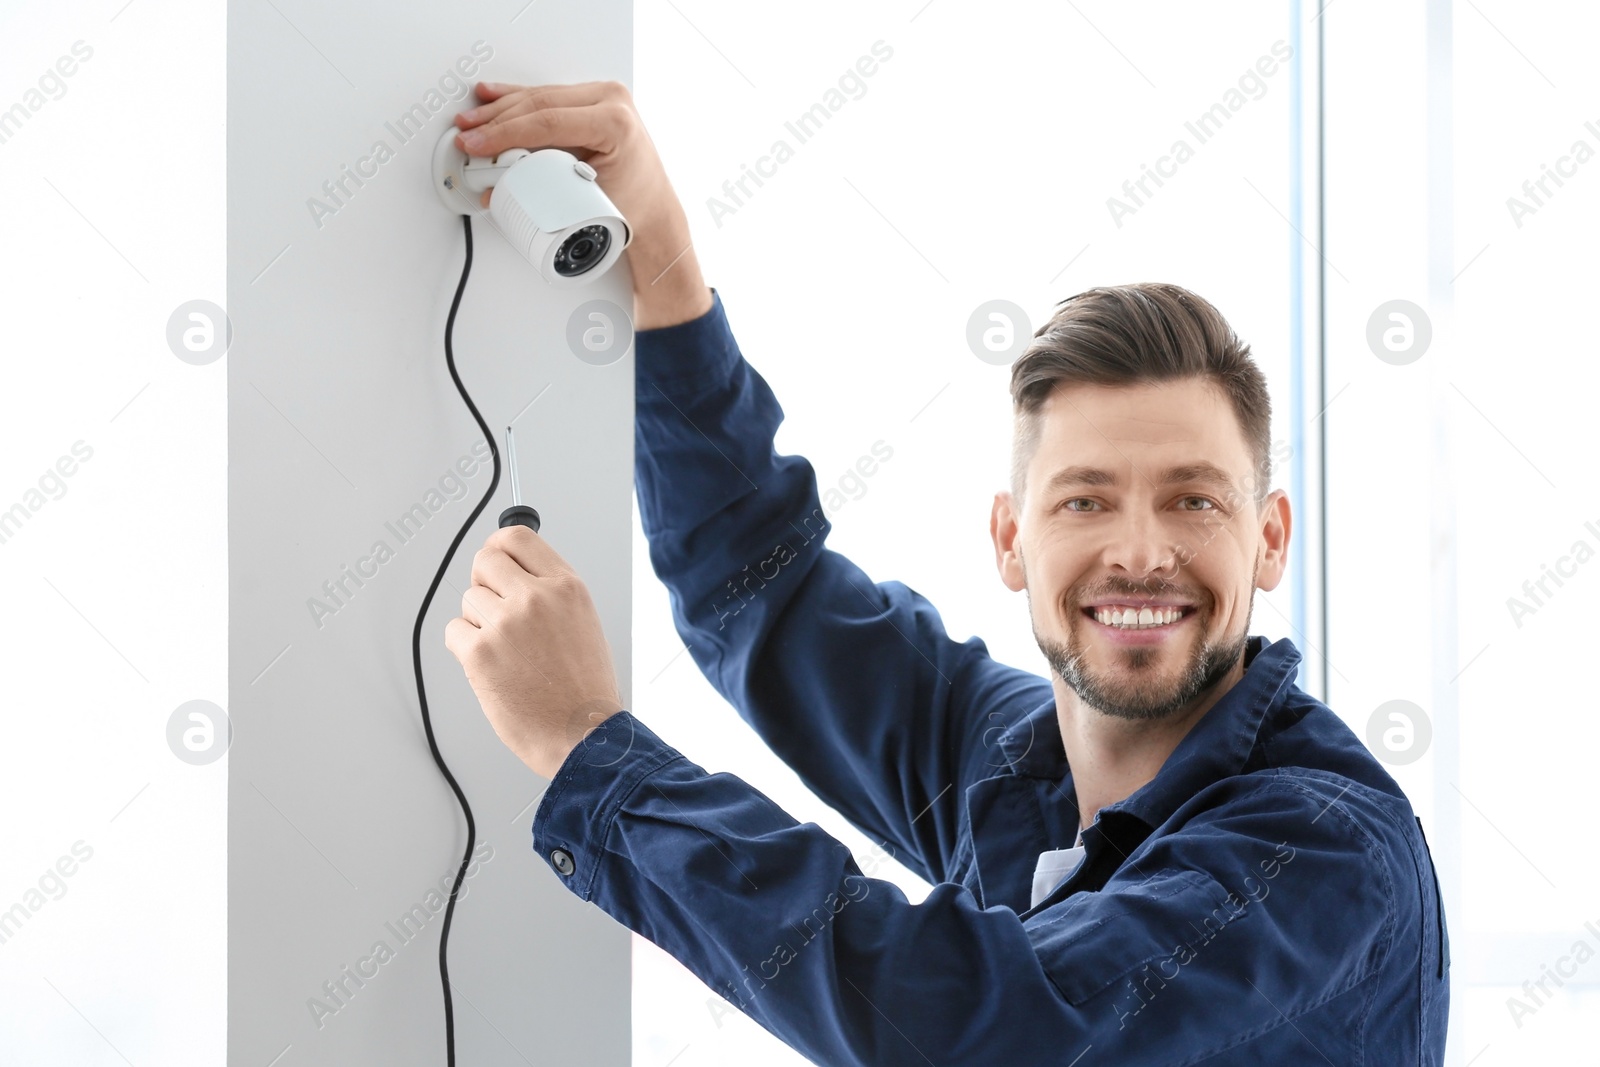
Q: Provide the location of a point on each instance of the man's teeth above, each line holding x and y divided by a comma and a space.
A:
1137, 618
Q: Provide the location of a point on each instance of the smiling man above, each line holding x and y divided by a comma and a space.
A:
1146, 427
1163, 853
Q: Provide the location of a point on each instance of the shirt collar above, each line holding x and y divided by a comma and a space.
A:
1216, 747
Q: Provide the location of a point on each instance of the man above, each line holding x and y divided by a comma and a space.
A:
1166, 853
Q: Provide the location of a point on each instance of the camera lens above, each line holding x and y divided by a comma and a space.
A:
582, 250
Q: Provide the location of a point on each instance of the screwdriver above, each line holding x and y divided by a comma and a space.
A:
518, 514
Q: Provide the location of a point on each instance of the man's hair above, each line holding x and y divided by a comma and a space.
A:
1120, 335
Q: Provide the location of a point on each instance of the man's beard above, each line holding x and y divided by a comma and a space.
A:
1149, 699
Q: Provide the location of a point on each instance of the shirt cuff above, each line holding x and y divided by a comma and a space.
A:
686, 358
572, 821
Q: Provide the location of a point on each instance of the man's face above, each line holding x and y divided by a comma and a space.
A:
1141, 498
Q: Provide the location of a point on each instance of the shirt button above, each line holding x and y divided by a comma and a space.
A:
561, 859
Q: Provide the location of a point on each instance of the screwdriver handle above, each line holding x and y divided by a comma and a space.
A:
520, 515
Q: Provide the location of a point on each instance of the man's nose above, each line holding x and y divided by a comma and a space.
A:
1142, 546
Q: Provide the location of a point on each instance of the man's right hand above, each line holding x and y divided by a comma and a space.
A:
597, 122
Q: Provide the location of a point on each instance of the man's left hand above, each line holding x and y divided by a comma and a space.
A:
531, 644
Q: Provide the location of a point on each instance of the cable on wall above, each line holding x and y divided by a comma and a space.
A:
416, 649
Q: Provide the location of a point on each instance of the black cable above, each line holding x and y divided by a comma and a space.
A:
416, 652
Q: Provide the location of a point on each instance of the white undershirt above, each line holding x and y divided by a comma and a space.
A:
1053, 868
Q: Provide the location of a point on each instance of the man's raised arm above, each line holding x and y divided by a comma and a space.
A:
855, 684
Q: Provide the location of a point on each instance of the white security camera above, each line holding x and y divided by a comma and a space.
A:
546, 203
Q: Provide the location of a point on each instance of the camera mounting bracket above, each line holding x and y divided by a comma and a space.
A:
460, 179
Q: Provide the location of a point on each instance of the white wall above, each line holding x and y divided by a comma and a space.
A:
342, 417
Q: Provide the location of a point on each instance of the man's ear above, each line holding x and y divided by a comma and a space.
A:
1003, 529
1277, 521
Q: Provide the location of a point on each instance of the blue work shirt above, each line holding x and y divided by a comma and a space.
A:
1267, 898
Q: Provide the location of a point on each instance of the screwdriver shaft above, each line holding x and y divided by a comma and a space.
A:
511, 468
517, 514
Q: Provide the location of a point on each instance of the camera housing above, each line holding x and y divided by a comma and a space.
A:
546, 203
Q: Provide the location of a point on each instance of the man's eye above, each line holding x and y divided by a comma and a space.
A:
1202, 499
1077, 500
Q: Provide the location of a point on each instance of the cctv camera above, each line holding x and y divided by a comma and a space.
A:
546, 203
